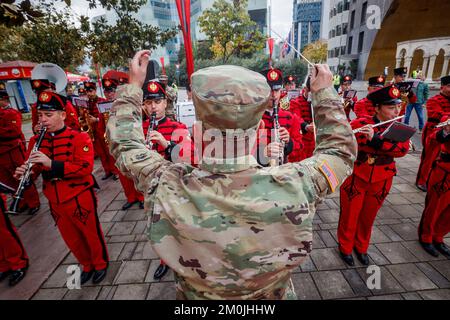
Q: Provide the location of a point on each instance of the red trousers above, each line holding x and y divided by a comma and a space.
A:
360, 202
308, 147
130, 191
101, 149
435, 223
9, 161
430, 153
78, 223
12, 252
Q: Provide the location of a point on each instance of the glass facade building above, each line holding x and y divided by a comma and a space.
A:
306, 21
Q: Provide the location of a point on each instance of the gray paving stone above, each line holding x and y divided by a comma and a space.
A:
106, 226
122, 228
378, 236
317, 241
304, 287
329, 216
376, 256
128, 251
132, 272
106, 293
119, 215
386, 212
411, 296
405, 188
389, 284
140, 228
144, 251
162, 291
107, 216
114, 250
387, 230
416, 249
115, 205
58, 279
328, 226
308, 265
434, 275
327, 259
50, 294
440, 294
396, 253
127, 238
356, 282
416, 197
406, 230
85, 293
411, 278
443, 267
327, 238
135, 215
396, 199
131, 292
407, 211
386, 297
332, 285
121, 197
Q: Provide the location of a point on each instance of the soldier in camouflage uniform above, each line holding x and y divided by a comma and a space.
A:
172, 97
231, 229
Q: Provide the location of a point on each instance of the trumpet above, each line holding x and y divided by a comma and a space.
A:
24, 181
276, 122
379, 124
85, 124
443, 124
150, 129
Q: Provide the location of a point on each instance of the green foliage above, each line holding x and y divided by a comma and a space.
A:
231, 30
16, 13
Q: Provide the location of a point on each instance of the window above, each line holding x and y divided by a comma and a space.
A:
361, 42
364, 13
333, 33
340, 7
347, 5
343, 50
345, 28
349, 46
338, 30
352, 20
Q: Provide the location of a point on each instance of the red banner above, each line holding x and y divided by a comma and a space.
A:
13, 73
271, 42
163, 66
184, 12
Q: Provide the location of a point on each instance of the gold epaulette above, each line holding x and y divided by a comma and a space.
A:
284, 103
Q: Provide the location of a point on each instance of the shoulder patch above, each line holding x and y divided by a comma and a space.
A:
329, 174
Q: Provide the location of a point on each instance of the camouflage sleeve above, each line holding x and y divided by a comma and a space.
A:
126, 140
336, 145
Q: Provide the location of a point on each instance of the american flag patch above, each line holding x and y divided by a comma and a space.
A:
329, 175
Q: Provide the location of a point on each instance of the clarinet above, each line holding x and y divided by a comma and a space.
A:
24, 181
150, 129
276, 123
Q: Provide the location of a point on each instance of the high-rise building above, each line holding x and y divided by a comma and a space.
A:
306, 22
337, 34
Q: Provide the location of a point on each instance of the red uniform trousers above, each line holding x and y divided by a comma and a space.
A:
130, 190
430, 153
102, 151
435, 223
78, 223
9, 161
12, 253
360, 202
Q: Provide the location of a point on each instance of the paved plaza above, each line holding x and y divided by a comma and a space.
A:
407, 272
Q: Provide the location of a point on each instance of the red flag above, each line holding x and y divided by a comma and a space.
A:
271, 42
184, 12
163, 66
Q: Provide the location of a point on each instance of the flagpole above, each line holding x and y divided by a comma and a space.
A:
293, 48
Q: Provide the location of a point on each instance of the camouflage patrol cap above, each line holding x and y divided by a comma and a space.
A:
229, 97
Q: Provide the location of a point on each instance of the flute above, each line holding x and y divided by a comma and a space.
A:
443, 124
379, 124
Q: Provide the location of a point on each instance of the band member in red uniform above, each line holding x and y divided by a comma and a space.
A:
96, 119
164, 135
436, 107
40, 85
66, 161
82, 93
364, 192
13, 150
290, 126
301, 106
13, 257
435, 222
365, 107
407, 98
133, 196
289, 83
346, 85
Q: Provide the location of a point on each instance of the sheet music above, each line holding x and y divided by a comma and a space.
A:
104, 107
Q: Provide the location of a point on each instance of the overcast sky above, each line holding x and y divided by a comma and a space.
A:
281, 13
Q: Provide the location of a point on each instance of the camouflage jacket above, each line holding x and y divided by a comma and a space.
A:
233, 231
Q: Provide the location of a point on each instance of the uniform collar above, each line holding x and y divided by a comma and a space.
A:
230, 165
58, 131
160, 121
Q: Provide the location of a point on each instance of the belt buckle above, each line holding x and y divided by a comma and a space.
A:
371, 160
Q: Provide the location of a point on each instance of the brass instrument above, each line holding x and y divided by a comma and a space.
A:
443, 124
148, 141
280, 160
25, 180
85, 123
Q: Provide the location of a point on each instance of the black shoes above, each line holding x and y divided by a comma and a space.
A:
86, 276
422, 187
348, 259
141, 204
33, 211
160, 271
128, 205
16, 276
428, 247
116, 177
99, 275
362, 257
107, 176
4, 275
443, 249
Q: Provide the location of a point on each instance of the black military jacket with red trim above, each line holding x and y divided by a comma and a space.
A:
72, 156
375, 161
